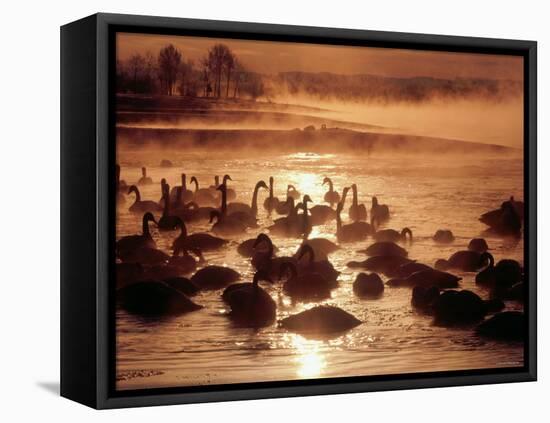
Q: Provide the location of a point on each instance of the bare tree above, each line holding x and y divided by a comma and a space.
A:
218, 60
229, 64
237, 76
136, 65
169, 60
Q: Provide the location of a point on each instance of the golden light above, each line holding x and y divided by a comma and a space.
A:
310, 359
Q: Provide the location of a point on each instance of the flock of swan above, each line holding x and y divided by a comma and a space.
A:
151, 282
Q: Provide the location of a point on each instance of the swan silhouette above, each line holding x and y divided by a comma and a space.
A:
144, 180
331, 196
141, 206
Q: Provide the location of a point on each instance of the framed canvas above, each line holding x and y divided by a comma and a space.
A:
257, 211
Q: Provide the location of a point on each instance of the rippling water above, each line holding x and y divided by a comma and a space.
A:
204, 347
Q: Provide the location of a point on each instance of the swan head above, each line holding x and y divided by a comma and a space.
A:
180, 224
290, 187
193, 179
326, 180
306, 249
486, 259
262, 238
306, 199
262, 184
226, 178
133, 188
148, 217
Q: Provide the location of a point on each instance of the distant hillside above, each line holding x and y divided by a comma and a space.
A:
385, 89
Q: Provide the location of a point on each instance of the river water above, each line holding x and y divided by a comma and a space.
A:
204, 347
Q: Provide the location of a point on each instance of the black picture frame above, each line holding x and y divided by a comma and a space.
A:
88, 209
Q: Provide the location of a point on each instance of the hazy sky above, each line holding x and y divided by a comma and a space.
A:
272, 57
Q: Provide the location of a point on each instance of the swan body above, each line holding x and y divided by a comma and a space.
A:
410, 268
352, 232
249, 247
502, 276
443, 236
144, 255
167, 222
320, 320
134, 242
266, 261
479, 245
458, 307
368, 285
314, 265
251, 210
380, 212
215, 277
304, 286
427, 278
291, 191
198, 241
467, 261
383, 248
154, 298
250, 305
203, 196
331, 196
183, 285
186, 195
321, 214
322, 247
144, 206
286, 207
391, 235
144, 180
226, 226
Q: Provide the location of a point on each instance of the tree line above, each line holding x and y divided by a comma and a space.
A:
219, 74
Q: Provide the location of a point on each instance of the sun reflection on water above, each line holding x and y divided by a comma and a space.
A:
310, 359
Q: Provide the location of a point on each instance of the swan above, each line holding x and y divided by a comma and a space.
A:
214, 188
501, 276
322, 247
458, 308
383, 248
426, 278
154, 298
391, 235
304, 285
185, 196
381, 264
259, 276
506, 222
380, 212
467, 261
291, 191
478, 245
140, 206
265, 260
352, 232
245, 218
202, 196
492, 218
286, 207
357, 211
368, 285
320, 320
443, 236
200, 241
144, 180
215, 277
231, 194
323, 266
226, 226
294, 225
331, 196
185, 263
134, 242
250, 305
271, 202
167, 222
408, 269
507, 326
245, 208
249, 247
321, 214
424, 298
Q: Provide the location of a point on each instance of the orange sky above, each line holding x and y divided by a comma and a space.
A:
273, 57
